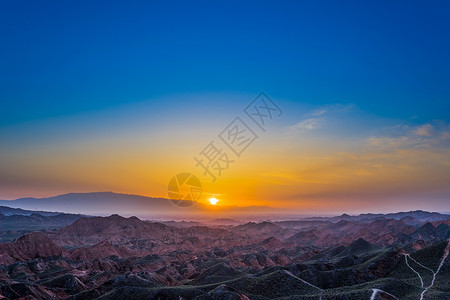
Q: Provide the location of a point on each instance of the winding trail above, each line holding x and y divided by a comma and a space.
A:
418, 274
444, 257
306, 282
425, 289
376, 291
419, 263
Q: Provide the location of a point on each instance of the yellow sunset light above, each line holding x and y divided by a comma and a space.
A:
213, 201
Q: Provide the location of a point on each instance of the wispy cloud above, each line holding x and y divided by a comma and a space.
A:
319, 112
317, 118
332, 108
424, 130
308, 124
421, 136
399, 162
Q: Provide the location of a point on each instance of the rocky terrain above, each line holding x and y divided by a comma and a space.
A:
15, 222
396, 256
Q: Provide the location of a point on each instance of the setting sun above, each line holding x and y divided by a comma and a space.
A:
213, 201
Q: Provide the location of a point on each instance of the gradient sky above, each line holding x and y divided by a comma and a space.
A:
103, 96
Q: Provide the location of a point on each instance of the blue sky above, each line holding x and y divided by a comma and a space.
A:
61, 58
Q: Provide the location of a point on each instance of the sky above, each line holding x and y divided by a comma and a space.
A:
122, 96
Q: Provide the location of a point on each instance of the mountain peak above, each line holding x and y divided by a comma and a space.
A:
427, 227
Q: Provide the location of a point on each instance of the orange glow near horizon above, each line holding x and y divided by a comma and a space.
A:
304, 170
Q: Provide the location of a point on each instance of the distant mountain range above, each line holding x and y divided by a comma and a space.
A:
98, 203
416, 216
106, 203
15, 222
9, 211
